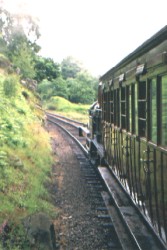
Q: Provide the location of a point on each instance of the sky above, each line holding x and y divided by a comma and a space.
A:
99, 33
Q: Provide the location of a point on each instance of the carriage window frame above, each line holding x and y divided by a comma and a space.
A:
111, 106
116, 107
132, 112
123, 109
142, 107
104, 106
108, 106
128, 99
152, 125
162, 126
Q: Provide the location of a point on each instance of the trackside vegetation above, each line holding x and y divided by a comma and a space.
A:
25, 153
30, 84
61, 106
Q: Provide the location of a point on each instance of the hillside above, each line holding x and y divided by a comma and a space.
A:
25, 153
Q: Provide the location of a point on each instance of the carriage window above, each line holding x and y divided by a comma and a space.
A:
164, 110
123, 108
130, 108
132, 104
142, 108
115, 95
153, 110
104, 106
112, 107
108, 106
128, 99
135, 109
116, 107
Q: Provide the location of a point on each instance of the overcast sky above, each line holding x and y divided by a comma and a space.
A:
99, 33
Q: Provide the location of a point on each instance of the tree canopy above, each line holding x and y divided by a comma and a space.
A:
12, 24
70, 67
18, 42
46, 68
18, 36
74, 83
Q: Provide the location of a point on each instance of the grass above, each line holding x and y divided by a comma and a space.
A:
25, 150
25, 163
74, 111
25, 154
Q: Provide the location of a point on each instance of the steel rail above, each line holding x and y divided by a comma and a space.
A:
133, 241
63, 118
70, 134
132, 244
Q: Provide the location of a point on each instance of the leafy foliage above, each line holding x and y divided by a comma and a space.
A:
3, 46
71, 82
46, 68
18, 35
25, 150
72, 110
70, 67
10, 86
80, 87
25, 153
22, 55
45, 89
12, 24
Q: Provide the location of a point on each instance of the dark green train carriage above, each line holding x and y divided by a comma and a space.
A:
131, 124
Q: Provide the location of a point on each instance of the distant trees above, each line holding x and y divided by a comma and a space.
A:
73, 83
46, 68
56, 87
18, 36
70, 67
82, 88
81, 85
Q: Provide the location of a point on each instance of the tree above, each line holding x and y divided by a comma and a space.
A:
11, 24
3, 46
56, 87
46, 68
72, 89
70, 67
19, 34
60, 87
45, 89
22, 56
81, 94
80, 89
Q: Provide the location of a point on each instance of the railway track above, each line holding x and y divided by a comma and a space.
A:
127, 227
70, 127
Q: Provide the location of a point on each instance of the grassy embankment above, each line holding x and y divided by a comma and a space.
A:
25, 150
25, 154
63, 107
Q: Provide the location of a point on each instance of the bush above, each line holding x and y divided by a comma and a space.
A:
10, 86
51, 107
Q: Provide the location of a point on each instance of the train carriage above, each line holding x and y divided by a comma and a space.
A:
129, 127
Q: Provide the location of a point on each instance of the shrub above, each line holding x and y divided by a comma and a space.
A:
10, 86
